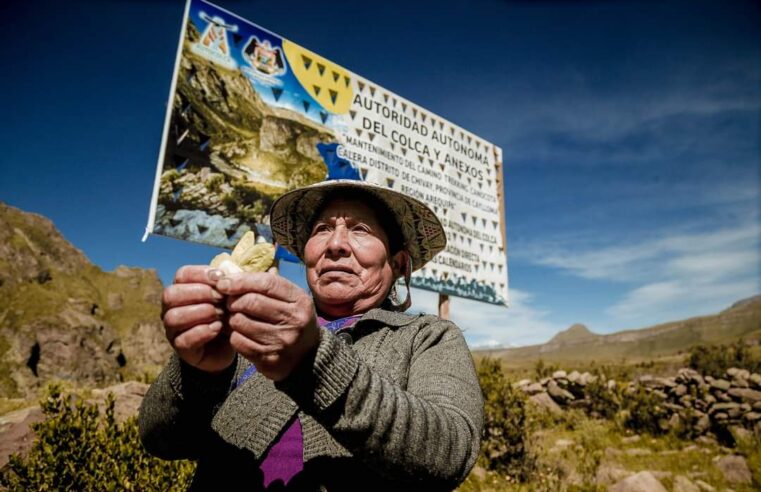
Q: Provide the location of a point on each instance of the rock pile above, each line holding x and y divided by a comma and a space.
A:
201, 190
564, 389
703, 404
200, 227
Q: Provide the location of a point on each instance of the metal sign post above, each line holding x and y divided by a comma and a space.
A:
443, 306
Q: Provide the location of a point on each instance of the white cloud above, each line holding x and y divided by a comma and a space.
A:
675, 274
729, 251
656, 300
613, 263
488, 325
715, 264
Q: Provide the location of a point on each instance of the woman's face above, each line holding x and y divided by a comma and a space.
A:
348, 266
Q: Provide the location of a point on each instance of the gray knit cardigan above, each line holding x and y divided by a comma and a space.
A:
398, 409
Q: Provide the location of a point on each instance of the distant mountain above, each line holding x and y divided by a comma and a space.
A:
742, 319
574, 334
63, 317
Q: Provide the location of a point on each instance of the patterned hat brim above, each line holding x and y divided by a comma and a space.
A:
422, 231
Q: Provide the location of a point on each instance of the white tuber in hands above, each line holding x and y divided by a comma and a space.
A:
248, 256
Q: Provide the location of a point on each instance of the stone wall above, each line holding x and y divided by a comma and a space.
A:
702, 403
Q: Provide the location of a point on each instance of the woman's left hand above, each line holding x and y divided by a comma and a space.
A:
273, 321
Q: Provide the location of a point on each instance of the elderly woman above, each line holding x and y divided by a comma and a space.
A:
270, 388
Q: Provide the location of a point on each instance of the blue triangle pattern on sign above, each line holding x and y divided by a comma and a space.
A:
338, 167
203, 141
180, 162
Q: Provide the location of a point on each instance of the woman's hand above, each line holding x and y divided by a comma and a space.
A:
194, 320
273, 321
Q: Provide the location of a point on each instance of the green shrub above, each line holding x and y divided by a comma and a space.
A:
252, 213
751, 449
245, 193
503, 448
214, 183
603, 402
644, 411
714, 360
170, 176
543, 370
78, 448
230, 202
253, 203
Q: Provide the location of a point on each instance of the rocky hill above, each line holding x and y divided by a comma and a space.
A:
577, 333
63, 317
742, 319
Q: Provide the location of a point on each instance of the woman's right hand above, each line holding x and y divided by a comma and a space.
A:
194, 319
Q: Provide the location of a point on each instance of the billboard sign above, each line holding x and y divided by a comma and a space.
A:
252, 115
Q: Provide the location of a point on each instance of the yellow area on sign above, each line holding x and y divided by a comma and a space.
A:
329, 84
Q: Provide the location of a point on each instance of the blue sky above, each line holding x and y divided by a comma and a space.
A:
630, 131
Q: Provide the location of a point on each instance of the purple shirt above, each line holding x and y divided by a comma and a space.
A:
285, 459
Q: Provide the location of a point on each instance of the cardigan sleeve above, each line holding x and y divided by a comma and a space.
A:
175, 416
428, 432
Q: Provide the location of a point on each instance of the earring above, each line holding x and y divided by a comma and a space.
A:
394, 294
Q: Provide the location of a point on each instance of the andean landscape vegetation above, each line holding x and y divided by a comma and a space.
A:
672, 407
